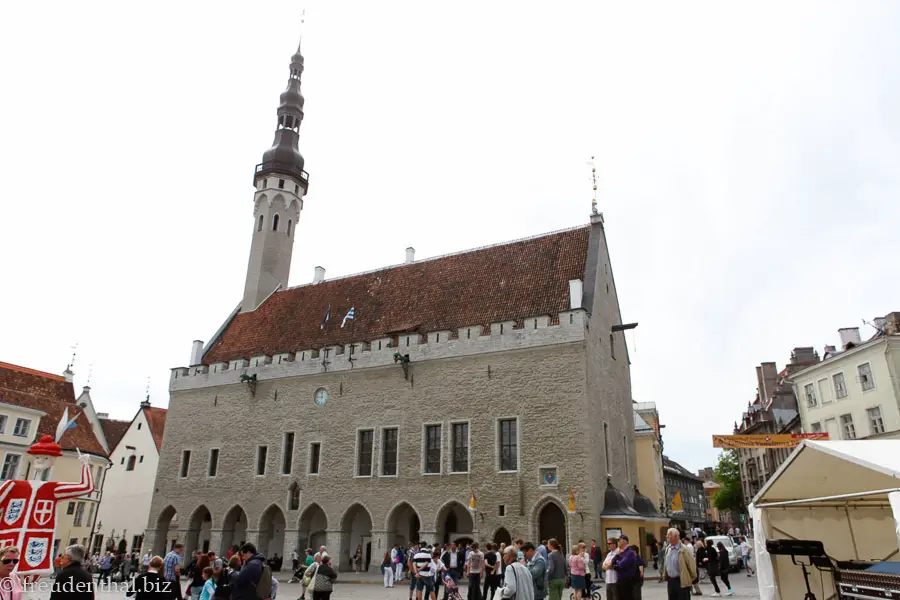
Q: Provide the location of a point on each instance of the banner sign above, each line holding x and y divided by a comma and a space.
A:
772, 440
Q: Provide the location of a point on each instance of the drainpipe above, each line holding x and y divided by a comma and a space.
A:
97, 512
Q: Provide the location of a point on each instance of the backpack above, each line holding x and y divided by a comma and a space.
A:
223, 585
264, 585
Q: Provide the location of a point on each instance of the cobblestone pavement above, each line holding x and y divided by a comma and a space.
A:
369, 587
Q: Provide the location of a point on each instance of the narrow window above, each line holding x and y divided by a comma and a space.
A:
142, 459
259, 226
213, 462
432, 448
275, 223
876, 422
864, 371
70, 508
122, 461
389, 452
625, 450
315, 450
810, 391
22, 427
79, 515
460, 462
294, 501
290, 224
287, 453
131, 462
509, 445
840, 385
139, 426
185, 462
296, 188
364, 453
468, 334
281, 184
606, 445
535, 323
262, 453
501, 510
848, 427
265, 183
2, 423
612, 346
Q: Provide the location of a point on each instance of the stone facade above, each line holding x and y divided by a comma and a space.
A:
568, 391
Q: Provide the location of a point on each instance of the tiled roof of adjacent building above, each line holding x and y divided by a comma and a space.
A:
506, 282
113, 431
156, 420
677, 469
52, 395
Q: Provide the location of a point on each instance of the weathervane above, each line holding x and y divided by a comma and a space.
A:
148, 388
594, 184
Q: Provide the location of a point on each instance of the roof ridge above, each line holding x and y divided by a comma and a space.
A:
21, 369
440, 256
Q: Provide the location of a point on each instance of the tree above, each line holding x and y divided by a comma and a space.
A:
728, 475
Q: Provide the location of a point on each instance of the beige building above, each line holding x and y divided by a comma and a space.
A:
648, 449
854, 393
364, 411
32, 404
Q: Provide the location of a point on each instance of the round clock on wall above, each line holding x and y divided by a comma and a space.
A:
321, 397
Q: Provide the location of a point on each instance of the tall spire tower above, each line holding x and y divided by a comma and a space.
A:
281, 183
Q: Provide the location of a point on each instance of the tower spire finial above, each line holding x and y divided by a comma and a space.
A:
594, 184
302, 27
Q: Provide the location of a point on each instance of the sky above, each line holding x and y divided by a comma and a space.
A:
746, 157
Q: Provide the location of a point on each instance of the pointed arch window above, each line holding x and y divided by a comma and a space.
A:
294, 497
290, 222
260, 226
275, 223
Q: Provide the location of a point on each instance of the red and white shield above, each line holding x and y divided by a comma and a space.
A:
43, 511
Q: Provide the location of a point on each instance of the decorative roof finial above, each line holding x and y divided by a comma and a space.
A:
594, 184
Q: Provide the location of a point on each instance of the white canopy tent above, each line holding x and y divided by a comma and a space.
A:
845, 494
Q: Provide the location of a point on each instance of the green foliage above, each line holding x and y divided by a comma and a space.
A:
728, 475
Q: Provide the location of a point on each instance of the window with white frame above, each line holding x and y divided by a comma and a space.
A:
864, 372
824, 390
810, 392
460, 440
3, 420
79, 515
876, 422
22, 427
840, 385
815, 427
364, 452
847, 427
508, 432
432, 449
389, 439
10, 467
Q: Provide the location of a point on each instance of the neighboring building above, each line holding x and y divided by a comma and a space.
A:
472, 371
693, 499
32, 404
128, 492
648, 448
773, 411
854, 393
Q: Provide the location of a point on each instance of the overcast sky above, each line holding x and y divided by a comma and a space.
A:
747, 160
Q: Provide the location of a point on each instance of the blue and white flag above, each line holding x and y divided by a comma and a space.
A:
327, 317
65, 424
349, 317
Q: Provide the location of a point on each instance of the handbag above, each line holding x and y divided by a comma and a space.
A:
321, 583
307, 579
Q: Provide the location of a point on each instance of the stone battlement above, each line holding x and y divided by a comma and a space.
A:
536, 331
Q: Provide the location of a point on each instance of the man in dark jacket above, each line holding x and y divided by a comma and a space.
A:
73, 581
252, 571
625, 564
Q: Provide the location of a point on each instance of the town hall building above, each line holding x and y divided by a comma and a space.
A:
499, 372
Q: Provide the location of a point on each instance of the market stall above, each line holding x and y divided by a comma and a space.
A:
845, 494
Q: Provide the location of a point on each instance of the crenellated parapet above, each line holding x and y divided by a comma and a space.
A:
532, 332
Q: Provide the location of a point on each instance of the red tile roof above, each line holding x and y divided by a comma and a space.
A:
505, 282
113, 431
156, 420
51, 394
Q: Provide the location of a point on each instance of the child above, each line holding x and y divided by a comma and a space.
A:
209, 585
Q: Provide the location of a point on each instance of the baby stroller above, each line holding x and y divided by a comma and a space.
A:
297, 577
452, 588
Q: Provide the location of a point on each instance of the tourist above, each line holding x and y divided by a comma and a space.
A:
72, 583
150, 585
421, 574
323, 580
12, 585
454, 559
492, 580
537, 566
251, 573
521, 555
678, 567
474, 571
208, 591
745, 555
575, 563
195, 587
357, 557
692, 548
542, 550
438, 569
387, 570
724, 567
517, 582
502, 551
224, 578
556, 570
172, 572
610, 575
586, 557
399, 561
104, 568
295, 561
597, 558
709, 558
625, 564
638, 588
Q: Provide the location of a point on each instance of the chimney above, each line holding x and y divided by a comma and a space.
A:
880, 323
410, 254
69, 374
146, 403
576, 289
196, 352
893, 323
102, 415
319, 275
849, 337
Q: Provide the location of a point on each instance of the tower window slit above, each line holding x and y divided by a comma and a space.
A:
259, 227
275, 223
290, 222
